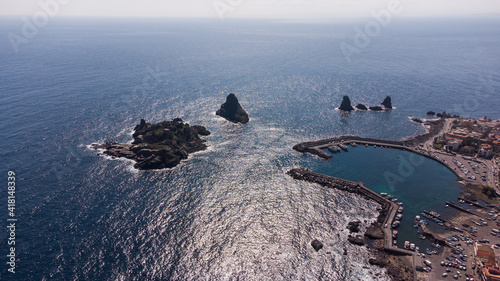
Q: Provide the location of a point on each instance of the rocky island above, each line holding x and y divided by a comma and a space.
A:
346, 104
158, 146
361, 107
387, 103
232, 110
376, 108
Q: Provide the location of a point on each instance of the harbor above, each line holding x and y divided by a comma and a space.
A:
440, 222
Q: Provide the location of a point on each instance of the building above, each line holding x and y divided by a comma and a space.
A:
486, 150
467, 149
487, 266
453, 145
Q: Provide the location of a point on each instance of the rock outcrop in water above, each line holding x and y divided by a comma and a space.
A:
317, 245
159, 146
346, 104
387, 103
353, 226
376, 108
431, 113
417, 120
361, 107
232, 110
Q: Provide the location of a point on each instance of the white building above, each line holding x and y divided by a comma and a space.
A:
453, 145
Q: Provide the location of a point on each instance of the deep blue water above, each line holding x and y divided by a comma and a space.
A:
229, 212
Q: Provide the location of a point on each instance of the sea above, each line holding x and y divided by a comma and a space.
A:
230, 212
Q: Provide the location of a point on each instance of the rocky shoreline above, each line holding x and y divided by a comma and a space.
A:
158, 146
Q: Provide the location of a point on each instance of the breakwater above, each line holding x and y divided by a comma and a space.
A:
386, 214
315, 147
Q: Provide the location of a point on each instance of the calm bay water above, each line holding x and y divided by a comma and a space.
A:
230, 212
419, 182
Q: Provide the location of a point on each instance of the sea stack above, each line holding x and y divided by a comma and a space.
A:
376, 108
317, 245
346, 104
387, 103
361, 107
232, 110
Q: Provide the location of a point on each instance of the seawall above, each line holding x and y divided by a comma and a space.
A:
386, 214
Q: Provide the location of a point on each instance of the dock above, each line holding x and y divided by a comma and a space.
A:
451, 204
434, 216
473, 203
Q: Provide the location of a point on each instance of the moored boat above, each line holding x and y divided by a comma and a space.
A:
343, 147
334, 149
395, 224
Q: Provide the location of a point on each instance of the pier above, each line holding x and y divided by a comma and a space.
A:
434, 216
451, 204
473, 203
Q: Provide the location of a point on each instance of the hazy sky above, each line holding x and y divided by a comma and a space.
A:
247, 8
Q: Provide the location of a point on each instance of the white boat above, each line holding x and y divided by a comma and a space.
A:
354, 144
417, 218
334, 149
412, 247
383, 194
407, 245
399, 216
343, 147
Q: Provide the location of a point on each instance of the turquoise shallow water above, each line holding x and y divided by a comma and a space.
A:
417, 181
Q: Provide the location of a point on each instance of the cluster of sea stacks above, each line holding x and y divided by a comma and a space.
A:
165, 144
346, 105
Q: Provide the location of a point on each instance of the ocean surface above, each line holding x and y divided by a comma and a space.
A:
230, 212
